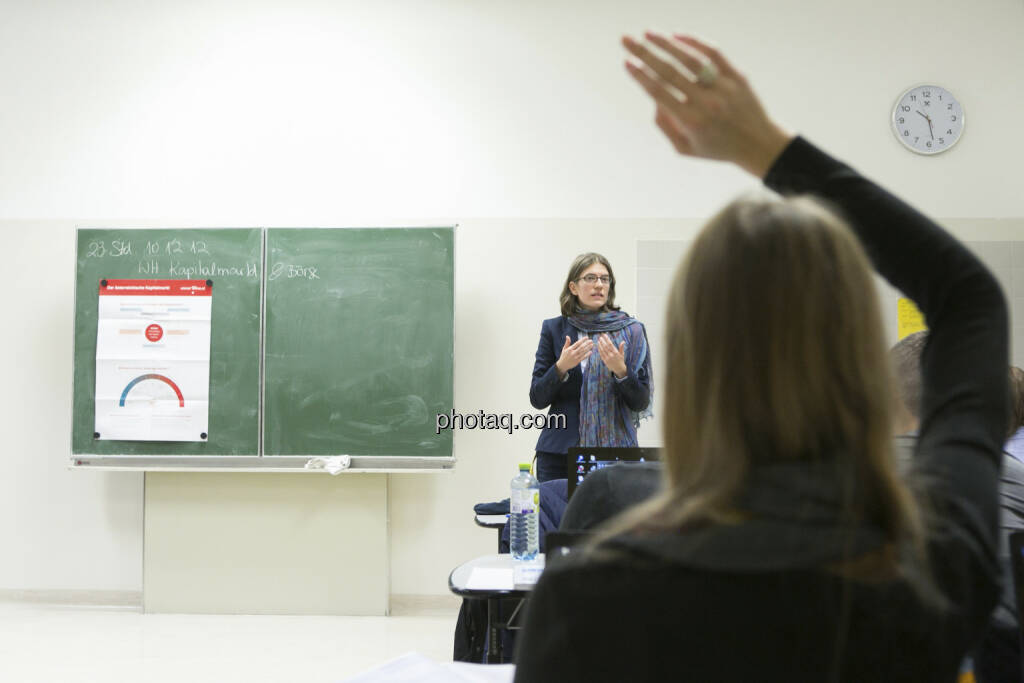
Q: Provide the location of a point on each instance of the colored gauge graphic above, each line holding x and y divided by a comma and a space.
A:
142, 378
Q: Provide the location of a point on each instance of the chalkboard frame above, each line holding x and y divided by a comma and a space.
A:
257, 462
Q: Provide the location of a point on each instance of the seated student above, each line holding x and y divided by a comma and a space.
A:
1015, 444
609, 491
997, 658
554, 495
785, 545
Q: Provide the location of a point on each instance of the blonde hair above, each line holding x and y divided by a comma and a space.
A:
568, 301
776, 353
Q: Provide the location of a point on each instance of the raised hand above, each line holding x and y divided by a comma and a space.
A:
573, 354
705, 107
613, 358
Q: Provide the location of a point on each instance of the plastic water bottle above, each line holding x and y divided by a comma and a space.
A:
524, 510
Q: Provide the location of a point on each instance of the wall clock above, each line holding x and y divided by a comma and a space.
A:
927, 119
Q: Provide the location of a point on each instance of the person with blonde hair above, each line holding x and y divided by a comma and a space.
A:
785, 545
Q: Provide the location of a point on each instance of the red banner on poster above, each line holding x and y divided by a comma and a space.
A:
156, 287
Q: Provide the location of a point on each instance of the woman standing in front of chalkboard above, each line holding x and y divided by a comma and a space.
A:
593, 366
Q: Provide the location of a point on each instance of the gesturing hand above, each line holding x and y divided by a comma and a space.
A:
705, 107
614, 358
573, 354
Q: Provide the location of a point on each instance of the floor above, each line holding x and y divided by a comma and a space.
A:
50, 642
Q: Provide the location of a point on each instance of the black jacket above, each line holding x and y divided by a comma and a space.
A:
564, 397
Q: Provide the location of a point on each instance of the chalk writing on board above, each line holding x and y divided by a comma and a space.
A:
289, 271
99, 249
212, 269
233, 259
198, 269
175, 251
116, 248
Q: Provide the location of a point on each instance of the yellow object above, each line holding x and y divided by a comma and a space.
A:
908, 319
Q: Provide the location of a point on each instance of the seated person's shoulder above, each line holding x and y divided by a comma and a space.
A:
1013, 469
609, 491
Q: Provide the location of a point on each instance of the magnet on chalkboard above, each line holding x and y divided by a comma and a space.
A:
95, 435
203, 436
209, 283
103, 283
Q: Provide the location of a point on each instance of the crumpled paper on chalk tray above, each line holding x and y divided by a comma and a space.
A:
332, 463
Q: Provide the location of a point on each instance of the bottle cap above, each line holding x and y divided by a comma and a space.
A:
524, 467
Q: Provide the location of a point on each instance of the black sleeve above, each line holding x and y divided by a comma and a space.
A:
965, 362
547, 643
608, 492
545, 384
585, 510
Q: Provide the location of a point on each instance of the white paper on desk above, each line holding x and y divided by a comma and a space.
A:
415, 668
483, 673
527, 574
491, 578
409, 667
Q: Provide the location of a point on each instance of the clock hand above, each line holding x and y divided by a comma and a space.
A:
929, 120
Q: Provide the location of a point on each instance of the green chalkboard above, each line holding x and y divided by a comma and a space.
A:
232, 259
359, 341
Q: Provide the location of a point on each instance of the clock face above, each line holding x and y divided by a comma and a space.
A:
927, 119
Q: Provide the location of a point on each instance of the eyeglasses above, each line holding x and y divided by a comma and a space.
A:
592, 279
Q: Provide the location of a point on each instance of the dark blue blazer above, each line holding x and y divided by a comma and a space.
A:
564, 397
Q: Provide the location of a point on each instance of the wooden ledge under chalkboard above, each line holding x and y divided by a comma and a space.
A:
366, 464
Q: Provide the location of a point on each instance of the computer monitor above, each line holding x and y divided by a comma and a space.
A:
581, 461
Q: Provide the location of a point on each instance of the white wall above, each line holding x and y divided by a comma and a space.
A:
515, 120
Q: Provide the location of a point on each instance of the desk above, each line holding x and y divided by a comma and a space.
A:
491, 578
492, 522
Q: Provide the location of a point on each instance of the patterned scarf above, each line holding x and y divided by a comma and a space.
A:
604, 421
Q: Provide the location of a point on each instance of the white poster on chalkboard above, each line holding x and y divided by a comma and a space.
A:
153, 360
